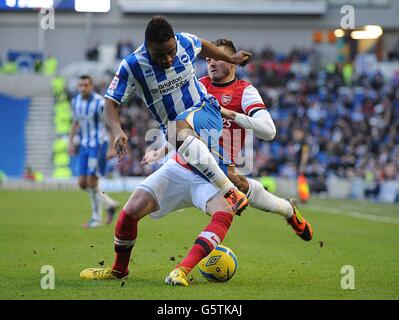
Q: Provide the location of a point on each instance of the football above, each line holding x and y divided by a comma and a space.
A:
220, 265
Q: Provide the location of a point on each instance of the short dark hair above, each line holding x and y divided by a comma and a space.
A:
225, 43
86, 77
158, 30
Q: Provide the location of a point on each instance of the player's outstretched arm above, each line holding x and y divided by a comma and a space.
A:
209, 50
112, 123
261, 122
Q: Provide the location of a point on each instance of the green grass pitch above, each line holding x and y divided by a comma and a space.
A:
40, 228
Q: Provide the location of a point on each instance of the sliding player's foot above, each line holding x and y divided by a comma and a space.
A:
301, 227
102, 274
177, 277
237, 200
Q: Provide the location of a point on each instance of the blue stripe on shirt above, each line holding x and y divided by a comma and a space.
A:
167, 99
139, 76
96, 123
187, 45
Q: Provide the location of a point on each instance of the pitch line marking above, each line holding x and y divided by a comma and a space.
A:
355, 214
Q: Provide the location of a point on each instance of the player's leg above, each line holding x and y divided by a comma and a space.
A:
195, 126
84, 176
206, 197
140, 204
110, 204
159, 194
91, 171
260, 198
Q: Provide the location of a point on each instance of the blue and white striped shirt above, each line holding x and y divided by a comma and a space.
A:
88, 113
166, 93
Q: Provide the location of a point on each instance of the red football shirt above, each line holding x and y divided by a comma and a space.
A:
239, 96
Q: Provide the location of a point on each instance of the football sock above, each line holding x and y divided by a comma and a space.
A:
107, 200
124, 240
261, 199
96, 203
207, 240
197, 154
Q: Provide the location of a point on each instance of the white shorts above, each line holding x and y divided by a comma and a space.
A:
175, 187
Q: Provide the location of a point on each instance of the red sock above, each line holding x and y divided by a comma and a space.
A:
208, 239
125, 238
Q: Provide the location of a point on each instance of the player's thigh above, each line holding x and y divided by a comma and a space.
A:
83, 159
83, 183
205, 120
92, 181
140, 204
169, 186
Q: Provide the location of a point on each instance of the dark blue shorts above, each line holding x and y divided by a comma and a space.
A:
92, 160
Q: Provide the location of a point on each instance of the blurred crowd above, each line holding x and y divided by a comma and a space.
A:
349, 122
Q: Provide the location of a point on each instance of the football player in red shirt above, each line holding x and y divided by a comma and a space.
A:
243, 109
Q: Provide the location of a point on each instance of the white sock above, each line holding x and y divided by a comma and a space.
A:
107, 200
96, 204
196, 153
261, 199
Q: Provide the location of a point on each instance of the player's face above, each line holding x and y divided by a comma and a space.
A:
85, 87
163, 53
220, 71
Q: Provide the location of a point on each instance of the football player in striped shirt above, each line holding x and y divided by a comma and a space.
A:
87, 108
161, 72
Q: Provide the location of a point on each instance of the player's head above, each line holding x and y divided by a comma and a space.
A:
85, 85
220, 71
160, 41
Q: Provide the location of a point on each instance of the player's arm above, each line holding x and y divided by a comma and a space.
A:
72, 134
120, 88
260, 122
113, 126
209, 50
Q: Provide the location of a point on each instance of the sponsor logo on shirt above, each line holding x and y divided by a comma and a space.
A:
170, 85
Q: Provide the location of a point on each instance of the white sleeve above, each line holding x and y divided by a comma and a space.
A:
251, 100
261, 123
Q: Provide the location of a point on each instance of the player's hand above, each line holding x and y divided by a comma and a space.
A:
71, 149
120, 144
241, 58
150, 157
228, 114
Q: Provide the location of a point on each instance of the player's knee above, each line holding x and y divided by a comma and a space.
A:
139, 205
83, 183
92, 182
